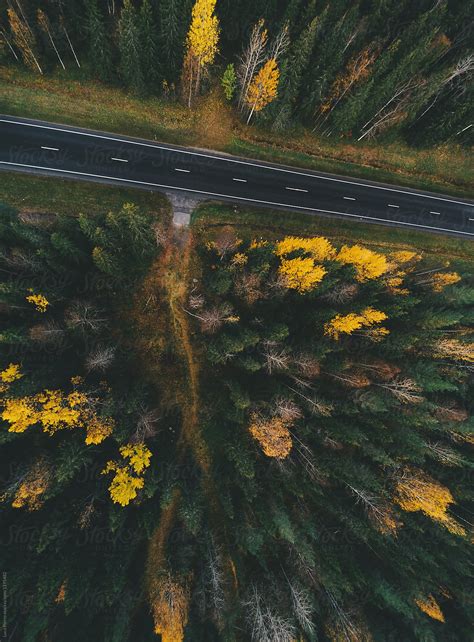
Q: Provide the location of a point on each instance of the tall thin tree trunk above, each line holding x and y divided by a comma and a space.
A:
9, 45
71, 47
55, 49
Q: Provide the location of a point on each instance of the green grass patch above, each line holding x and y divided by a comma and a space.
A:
273, 223
60, 196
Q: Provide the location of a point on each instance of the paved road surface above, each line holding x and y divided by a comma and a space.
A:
39, 147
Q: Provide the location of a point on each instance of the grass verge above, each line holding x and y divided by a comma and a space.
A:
62, 196
273, 223
76, 100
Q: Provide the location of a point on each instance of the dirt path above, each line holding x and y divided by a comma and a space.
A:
167, 288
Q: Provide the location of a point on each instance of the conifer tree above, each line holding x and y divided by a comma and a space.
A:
131, 47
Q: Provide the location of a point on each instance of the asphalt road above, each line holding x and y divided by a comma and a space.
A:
46, 148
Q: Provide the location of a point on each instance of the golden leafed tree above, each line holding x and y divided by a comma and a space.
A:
349, 323
368, 264
201, 45
416, 491
32, 487
431, 607
272, 434
263, 88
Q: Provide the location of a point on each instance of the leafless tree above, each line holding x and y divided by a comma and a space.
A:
248, 286
393, 109
276, 357
214, 318
226, 242
451, 413
281, 43
252, 58
302, 608
100, 359
8, 43
316, 405
146, 425
342, 293
196, 301
45, 26
84, 316
307, 365
216, 581
42, 220
264, 624
287, 410
444, 454
48, 333
463, 68
20, 259
405, 390
377, 510
63, 27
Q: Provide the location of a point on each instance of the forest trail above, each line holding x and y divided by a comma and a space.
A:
171, 277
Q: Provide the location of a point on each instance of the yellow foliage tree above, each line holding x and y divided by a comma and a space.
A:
368, 264
11, 373
441, 280
202, 41
39, 301
123, 487
301, 274
32, 487
263, 88
416, 491
349, 323
431, 607
54, 410
272, 434
126, 481
454, 349
170, 608
318, 247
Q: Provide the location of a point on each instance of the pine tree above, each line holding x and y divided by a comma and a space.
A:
99, 46
130, 48
150, 62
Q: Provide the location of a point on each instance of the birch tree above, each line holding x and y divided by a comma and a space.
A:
253, 57
202, 44
45, 25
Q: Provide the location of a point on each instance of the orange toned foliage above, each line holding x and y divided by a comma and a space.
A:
416, 491
431, 607
170, 608
272, 435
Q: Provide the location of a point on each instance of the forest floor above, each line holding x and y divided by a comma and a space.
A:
213, 124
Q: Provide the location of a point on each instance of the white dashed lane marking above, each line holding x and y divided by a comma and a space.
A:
349, 198
52, 149
390, 205
437, 213
121, 160
296, 189
186, 171
240, 180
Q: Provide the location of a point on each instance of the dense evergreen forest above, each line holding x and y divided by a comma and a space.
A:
366, 69
306, 477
